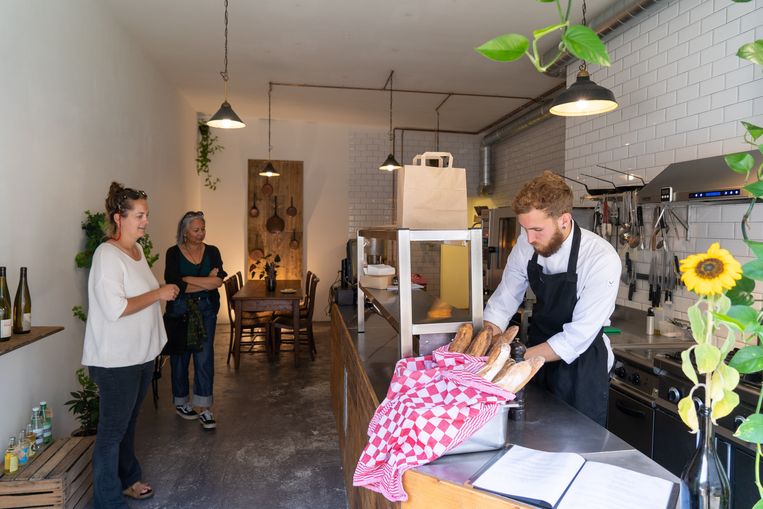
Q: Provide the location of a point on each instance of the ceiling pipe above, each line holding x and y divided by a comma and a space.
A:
609, 20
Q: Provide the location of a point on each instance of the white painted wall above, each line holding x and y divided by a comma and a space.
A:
82, 106
324, 150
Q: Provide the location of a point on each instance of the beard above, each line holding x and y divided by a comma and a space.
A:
553, 245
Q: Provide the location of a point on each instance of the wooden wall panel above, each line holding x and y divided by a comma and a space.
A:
286, 187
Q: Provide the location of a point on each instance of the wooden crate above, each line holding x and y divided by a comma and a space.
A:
60, 476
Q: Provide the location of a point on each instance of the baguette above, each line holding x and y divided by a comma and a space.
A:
480, 343
463, 338
495, 362
519, 374
503, 369
505, 337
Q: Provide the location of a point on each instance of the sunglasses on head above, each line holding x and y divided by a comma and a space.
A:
133, 194
197, 213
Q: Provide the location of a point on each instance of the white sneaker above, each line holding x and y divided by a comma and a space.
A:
207, 420
186, 411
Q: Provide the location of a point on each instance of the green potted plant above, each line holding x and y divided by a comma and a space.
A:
266, 268
84, 405
206, 146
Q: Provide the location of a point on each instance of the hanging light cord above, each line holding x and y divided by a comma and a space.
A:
583, 66
437, 133
224, 73
270, 90
390, 106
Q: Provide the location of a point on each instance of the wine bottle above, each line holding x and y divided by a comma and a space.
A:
22, 306
6, 320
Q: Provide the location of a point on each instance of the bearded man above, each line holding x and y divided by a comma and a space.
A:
574, 275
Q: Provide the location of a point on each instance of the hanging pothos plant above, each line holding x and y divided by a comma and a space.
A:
205, 148
96, 231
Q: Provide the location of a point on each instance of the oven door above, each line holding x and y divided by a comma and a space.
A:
674, 445
630, 416
739, 460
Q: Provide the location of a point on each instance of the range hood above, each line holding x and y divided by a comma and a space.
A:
706, 179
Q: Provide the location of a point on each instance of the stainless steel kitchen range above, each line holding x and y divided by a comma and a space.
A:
646, 386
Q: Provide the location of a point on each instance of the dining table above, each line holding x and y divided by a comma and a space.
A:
254, 296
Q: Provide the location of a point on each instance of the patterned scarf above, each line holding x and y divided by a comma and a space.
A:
196, 333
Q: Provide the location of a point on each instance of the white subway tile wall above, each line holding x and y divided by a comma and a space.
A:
520, 158
697, 92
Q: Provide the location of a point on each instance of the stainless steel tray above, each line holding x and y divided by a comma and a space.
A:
492, 436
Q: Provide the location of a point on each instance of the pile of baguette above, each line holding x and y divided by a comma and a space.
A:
500, 368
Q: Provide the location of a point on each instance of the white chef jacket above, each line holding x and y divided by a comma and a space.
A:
598, 271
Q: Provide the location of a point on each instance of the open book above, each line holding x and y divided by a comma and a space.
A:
567, 481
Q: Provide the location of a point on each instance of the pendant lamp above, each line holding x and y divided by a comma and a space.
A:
390, 164
226, 118
584, 97
269, 170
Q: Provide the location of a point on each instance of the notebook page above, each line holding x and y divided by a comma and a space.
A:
530, 474
603, 486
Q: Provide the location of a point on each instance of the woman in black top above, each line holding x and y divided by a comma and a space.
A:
197, 269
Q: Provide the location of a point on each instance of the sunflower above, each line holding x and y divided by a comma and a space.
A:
710, 273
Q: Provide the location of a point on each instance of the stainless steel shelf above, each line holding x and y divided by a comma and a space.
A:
388, 304
406, 309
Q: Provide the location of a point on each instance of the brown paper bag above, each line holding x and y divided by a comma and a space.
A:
432, 197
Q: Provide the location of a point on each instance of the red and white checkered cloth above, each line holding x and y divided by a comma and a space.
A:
433, 404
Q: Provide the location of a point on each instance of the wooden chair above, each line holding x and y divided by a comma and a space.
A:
255, 326
240, 278
284, 324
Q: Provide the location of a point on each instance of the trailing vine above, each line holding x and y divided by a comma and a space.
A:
206, 147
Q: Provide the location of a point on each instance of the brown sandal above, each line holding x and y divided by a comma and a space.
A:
135, 491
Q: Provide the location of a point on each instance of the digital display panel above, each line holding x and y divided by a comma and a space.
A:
715, 194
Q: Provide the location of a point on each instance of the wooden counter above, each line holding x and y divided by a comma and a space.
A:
361, 367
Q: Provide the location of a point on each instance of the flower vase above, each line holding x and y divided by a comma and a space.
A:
704, 484
270, 283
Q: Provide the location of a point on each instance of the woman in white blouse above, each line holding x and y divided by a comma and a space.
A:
124, 334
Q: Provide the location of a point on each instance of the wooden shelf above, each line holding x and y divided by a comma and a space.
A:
19, 340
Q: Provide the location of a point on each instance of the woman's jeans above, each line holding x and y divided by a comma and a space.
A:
115, 467
203, 360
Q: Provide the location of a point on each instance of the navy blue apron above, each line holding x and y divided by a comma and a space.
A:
583, 384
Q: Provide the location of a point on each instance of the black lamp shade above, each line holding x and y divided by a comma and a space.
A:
226, 118
269, 171
390, 164
584, 97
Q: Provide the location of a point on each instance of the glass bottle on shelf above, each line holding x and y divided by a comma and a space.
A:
6, 318
11, 460
32, 439
22, 448
37, 423
22, 306
47, 424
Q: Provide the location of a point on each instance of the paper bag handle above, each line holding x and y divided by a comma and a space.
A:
421, 159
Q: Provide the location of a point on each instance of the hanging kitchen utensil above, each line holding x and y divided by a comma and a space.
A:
634, 240
275, 224
625, 275
624, 232
640, 221
606, 226
254, 211
257, 252
267, 188
291, 210
294, 243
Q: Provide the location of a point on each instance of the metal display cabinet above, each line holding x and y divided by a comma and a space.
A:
405, 308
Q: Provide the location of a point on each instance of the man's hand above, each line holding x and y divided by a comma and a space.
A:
544, 350
496, 330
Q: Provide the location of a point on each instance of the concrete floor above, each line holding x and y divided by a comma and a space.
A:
275, 445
